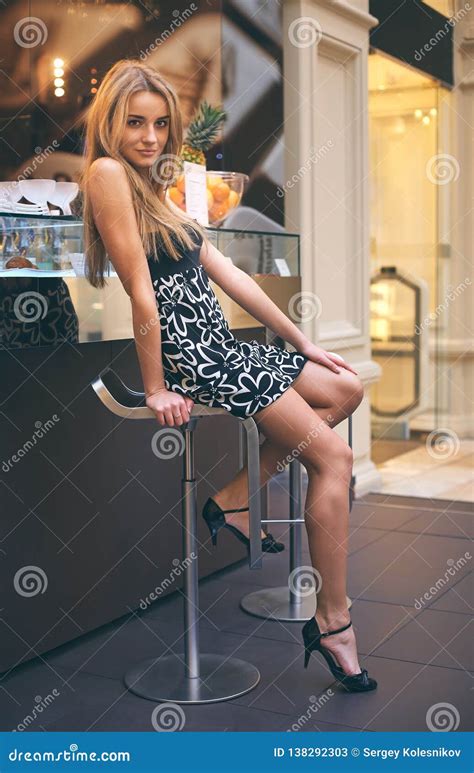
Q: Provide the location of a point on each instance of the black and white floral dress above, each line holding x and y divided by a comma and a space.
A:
202, 359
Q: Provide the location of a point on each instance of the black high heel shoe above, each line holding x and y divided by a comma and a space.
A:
215, 519
312, 641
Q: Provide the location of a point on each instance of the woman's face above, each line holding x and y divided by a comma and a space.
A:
146, 130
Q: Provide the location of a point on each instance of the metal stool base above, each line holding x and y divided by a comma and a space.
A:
163, 679
274, 604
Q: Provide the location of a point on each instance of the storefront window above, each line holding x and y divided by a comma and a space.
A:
409, 221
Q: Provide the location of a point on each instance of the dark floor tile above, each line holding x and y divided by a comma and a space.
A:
309, 723
137, 640
359, 537
416, 705
442, 524
283, 682
59, 692
110, 653
434, 637
400, 567
276, 567
377, 516
134, 714
389, 571
374, 622
433, 504
274, 571
459, 597
222, 600
402, 701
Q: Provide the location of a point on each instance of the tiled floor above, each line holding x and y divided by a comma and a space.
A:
419, 650
442, 469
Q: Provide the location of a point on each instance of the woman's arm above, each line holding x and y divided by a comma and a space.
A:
114, 216
247, 293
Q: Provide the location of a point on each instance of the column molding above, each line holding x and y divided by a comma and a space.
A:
455, 353
326, 121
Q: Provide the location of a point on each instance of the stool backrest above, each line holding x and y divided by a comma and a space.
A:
127, 403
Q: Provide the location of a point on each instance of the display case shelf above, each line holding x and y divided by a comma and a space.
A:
54, 302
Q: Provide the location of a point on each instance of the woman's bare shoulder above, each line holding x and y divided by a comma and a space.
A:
106, 168
108, 175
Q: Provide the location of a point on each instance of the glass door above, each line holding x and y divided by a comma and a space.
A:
407, 212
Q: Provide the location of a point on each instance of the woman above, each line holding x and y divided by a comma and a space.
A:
187, 352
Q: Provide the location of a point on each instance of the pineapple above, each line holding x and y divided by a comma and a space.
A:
202, 132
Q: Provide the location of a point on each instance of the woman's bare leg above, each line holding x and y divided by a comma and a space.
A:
333, 396
235, 494
328, 461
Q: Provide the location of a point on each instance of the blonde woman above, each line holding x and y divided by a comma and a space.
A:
188, 354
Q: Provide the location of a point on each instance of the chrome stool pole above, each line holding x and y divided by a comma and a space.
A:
296, 601
191, 676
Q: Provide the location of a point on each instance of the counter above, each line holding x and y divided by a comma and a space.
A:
91, 516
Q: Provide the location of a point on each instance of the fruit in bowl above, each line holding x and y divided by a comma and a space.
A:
224, 193
224, 189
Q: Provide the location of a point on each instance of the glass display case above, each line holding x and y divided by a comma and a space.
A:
45, 299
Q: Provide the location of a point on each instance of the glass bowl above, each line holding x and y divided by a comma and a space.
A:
224, 193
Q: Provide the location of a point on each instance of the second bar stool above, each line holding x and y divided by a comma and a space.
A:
293, 602
191, 676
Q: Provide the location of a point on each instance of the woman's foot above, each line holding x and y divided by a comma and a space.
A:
239, 520
342, 646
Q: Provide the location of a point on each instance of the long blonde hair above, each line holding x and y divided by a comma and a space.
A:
104, 123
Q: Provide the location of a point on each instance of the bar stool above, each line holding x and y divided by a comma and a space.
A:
287, 603
192, 676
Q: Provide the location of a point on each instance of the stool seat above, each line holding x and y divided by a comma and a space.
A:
128, 404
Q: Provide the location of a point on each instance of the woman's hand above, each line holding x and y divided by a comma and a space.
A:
329, 359
170, 408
